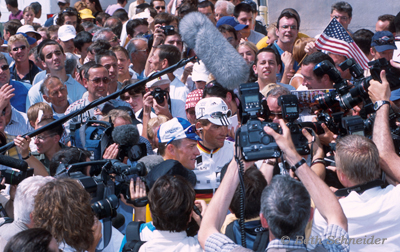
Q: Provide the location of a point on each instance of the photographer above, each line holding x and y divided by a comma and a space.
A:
285, 205
358, 166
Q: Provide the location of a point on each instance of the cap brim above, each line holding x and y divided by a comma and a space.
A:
240, 27
66, 38
193, 136
385, 47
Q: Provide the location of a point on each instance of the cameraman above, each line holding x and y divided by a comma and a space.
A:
311, 79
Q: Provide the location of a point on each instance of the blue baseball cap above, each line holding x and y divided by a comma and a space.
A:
175, 129
232, 21
31, 40
383, 40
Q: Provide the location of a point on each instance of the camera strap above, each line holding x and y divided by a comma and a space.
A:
359, 188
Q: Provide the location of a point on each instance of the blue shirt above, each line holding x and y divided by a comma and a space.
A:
21, 91
29, 76
295, 66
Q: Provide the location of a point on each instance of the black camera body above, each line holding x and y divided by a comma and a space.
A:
290, 112
168, 30
254, 143
159, 95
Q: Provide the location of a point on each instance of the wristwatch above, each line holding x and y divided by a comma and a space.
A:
379, 104
298, 164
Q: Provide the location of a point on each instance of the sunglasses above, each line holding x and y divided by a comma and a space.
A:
5, 67
15, 49
105, 80
70, 10
189, 130
384, 41
160, 7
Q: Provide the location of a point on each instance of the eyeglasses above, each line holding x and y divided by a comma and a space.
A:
105, 80
42, 138
160, 7
385, 40
273, 115
114, 39
61, 90
292, 27
15, 49
5, 67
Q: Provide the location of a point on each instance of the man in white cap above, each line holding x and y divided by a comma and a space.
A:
212, 116
178, 141
66, 35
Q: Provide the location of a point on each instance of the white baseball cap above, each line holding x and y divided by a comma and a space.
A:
215, 110
66, 32
175, 129
158, 81
200, 72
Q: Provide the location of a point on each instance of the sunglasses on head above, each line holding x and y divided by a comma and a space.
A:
15, 49
384, 41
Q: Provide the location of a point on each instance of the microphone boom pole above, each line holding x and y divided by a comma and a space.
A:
99, 101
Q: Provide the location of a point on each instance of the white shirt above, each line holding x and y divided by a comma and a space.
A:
373, 214
209, 165
171, 242
178, 93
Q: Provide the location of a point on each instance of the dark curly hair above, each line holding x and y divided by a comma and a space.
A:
63, 208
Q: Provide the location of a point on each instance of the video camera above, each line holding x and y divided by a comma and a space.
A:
105, 183
14, 177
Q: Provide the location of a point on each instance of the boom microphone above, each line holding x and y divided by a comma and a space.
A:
150, 161
126, 135
13, 163
220, 58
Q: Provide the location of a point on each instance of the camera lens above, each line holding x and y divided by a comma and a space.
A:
106, 207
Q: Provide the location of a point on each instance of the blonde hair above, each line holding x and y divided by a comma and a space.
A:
268, 88
33, 111
250, 45
155, 122
117, 113
15, 38
298, 48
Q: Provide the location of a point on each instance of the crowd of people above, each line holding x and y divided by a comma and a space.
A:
341, 198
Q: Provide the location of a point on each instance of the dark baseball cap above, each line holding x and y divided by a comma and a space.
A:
383, 40
232, 21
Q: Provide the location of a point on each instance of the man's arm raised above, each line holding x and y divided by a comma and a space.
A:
323, 197
381, 135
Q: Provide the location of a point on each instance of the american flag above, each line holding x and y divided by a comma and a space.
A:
335, 39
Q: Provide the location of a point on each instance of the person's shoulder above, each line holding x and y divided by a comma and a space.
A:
75, 105
20, 85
